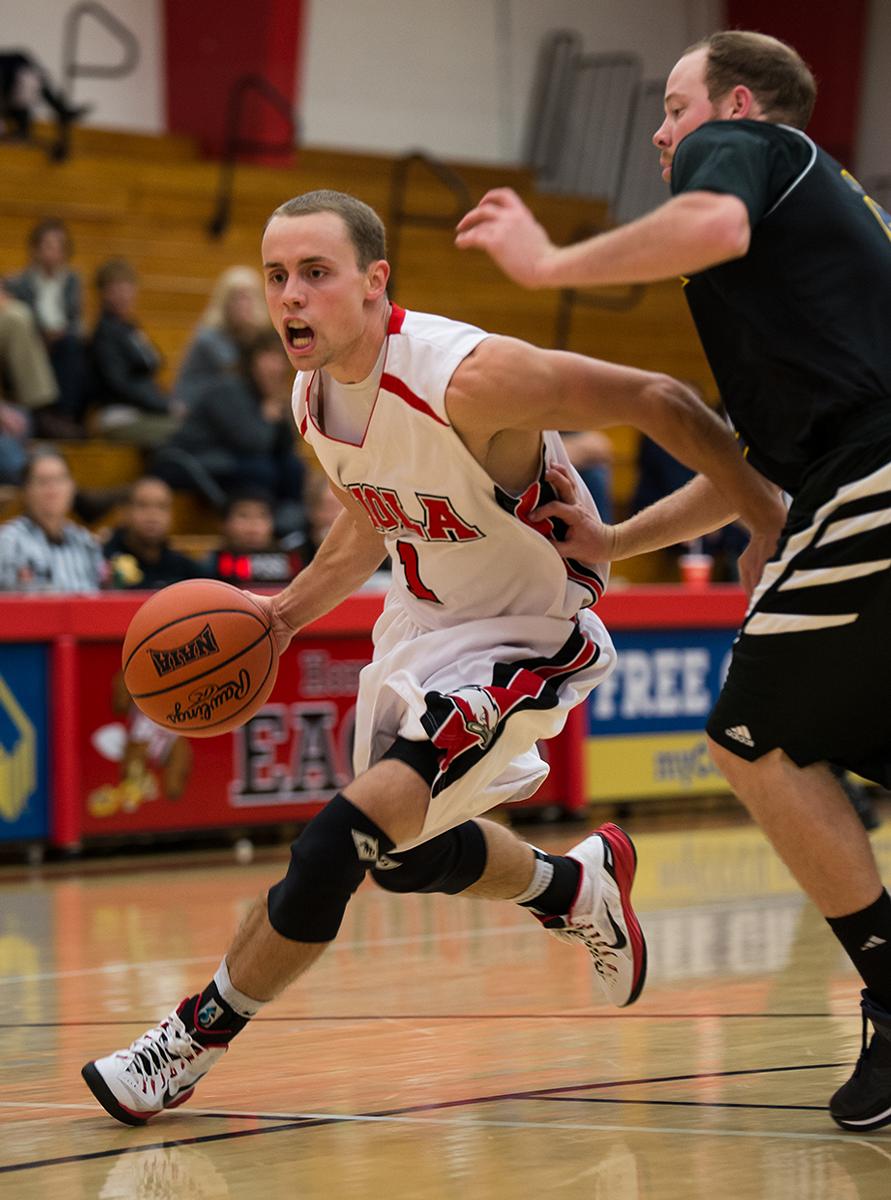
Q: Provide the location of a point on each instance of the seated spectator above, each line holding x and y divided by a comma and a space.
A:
42, 551
133, 408
26, 377
53, 293
232, 320
239, 434
249, 554
138, 552
23, 85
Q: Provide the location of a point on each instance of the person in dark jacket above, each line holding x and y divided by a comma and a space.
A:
239, 434
132, 405
138, 552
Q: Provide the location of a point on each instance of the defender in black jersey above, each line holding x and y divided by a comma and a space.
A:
786, 264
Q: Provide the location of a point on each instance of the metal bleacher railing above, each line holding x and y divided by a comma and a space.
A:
402, 215
73, 68
236, 143
591, 120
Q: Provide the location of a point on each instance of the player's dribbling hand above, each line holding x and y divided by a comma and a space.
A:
282, 632
587, 539
503, 226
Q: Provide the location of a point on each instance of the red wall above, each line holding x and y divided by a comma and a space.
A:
209, 45
830, 38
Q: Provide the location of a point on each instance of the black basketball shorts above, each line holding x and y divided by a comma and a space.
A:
811, 667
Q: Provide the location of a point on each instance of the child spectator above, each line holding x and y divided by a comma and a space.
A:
42, 551
249, 554
133, 408
138, 552
53, 293
232, 320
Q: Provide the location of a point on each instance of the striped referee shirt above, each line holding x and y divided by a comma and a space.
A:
31, 561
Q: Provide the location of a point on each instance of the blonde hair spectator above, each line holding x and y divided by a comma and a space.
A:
235, 315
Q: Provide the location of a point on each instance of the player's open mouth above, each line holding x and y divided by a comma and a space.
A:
300, 337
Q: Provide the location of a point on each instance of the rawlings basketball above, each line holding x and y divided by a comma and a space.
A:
199, 657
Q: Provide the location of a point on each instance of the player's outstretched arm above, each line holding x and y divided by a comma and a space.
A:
350, 553
687, 234
691, 511
509, 385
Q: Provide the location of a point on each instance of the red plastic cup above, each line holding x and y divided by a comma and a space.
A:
696, 570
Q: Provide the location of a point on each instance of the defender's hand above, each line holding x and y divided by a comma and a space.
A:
503, 226
587, 539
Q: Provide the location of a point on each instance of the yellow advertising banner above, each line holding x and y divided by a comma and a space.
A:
650, 766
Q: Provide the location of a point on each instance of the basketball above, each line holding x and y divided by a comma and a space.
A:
199, 657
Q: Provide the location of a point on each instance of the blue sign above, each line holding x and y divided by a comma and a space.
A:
665, 681
24, 736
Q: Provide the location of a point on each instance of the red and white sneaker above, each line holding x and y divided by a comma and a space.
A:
159, 1070
601, 916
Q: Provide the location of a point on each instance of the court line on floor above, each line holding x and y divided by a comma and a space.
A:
462, 1016
309, 1121
679, 1103
530, 1094
411, 1114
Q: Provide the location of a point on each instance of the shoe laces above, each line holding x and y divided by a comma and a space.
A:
595, 941
157, 1050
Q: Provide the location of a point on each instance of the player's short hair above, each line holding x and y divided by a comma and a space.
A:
366, 229
777, 75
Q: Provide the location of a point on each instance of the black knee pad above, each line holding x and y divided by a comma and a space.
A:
448, 863
328, 862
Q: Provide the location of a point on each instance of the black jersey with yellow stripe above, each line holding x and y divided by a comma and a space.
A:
796, 331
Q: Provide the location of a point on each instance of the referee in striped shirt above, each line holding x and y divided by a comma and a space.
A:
42, 550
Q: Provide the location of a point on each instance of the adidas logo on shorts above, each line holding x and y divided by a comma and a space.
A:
873, 942
740, 733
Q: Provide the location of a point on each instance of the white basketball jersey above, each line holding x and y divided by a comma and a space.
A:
462, 547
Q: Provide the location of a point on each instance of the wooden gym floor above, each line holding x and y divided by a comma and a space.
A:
444, 1047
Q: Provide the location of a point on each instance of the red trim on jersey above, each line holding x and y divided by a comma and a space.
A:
303, 424
404, 392
397, 316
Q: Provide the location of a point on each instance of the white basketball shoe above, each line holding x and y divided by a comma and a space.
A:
601, 916
159, 1070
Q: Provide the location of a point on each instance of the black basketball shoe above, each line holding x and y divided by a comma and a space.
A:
864, 1102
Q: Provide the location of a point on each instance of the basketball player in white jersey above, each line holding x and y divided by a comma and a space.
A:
431, 431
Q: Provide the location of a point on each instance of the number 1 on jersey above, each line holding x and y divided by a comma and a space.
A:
408, 556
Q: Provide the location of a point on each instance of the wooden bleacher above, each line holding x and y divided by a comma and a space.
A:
149, 199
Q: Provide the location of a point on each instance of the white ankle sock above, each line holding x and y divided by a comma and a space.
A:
541, 877
237, 1001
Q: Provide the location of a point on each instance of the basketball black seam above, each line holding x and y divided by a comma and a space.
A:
205, 612
174, 687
